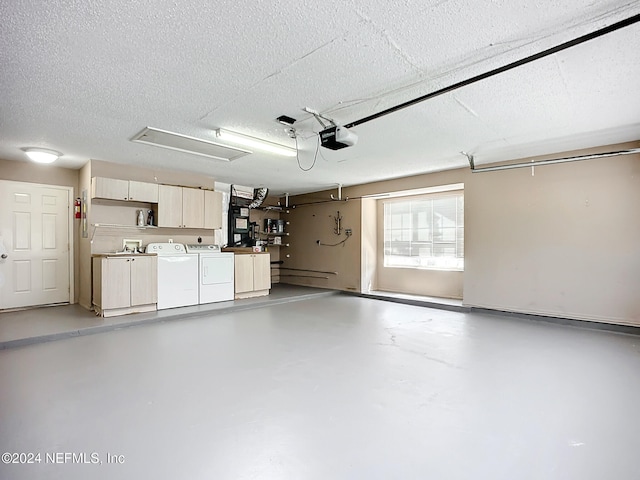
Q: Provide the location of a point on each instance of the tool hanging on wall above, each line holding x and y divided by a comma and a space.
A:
338, 229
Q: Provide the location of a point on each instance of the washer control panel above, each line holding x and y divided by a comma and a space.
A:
166, 248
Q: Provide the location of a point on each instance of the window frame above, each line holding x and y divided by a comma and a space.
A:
428, 262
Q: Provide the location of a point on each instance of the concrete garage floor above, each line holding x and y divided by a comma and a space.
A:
37, 325
336, 387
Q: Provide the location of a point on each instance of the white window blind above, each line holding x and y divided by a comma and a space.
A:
425, 232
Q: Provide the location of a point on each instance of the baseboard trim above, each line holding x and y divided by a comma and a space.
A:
572, 322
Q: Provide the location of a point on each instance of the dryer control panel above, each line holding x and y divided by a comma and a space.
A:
202, 248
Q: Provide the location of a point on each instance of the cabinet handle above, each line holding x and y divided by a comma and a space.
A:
133, 259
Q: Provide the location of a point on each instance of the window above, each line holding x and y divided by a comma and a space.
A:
425, 232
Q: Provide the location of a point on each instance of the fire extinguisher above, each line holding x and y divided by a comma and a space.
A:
76, 208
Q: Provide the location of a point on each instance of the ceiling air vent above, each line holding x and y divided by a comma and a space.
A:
184, 143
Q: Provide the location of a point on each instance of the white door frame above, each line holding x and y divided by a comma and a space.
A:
70, 224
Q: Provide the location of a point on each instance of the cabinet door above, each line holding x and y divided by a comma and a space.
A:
243, 273
262, 271
169, 206
109, 188
143, 192
212, 209
192, 208
144, 280
116, 283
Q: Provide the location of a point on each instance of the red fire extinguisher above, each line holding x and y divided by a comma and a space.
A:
76, 208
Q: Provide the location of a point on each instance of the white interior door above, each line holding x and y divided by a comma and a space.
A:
34, 244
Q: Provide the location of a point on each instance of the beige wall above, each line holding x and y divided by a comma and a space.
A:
316, 222
37, 173
101, 168
563, 242
369, 250
48, 175
357, 262
84, 250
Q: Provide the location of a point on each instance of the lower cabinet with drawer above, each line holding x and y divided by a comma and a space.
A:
124, 284
252, 274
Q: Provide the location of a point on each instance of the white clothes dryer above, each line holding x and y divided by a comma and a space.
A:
215, 273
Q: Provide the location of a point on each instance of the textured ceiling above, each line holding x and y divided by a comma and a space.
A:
83, 77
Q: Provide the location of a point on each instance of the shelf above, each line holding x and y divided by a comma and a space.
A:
272, 209
283, 234
117, 225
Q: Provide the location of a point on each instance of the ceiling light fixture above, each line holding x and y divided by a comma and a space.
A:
42, 155
256, 143
187, 144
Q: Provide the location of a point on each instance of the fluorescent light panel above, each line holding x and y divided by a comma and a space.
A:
256, 143
187, 144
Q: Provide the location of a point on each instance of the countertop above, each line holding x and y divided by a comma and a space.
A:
116, 255
241, 250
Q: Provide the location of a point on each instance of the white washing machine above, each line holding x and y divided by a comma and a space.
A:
215, 273
177, 275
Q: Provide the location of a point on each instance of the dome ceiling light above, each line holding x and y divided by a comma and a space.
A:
41, 155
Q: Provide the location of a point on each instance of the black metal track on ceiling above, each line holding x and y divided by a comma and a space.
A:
545, 53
